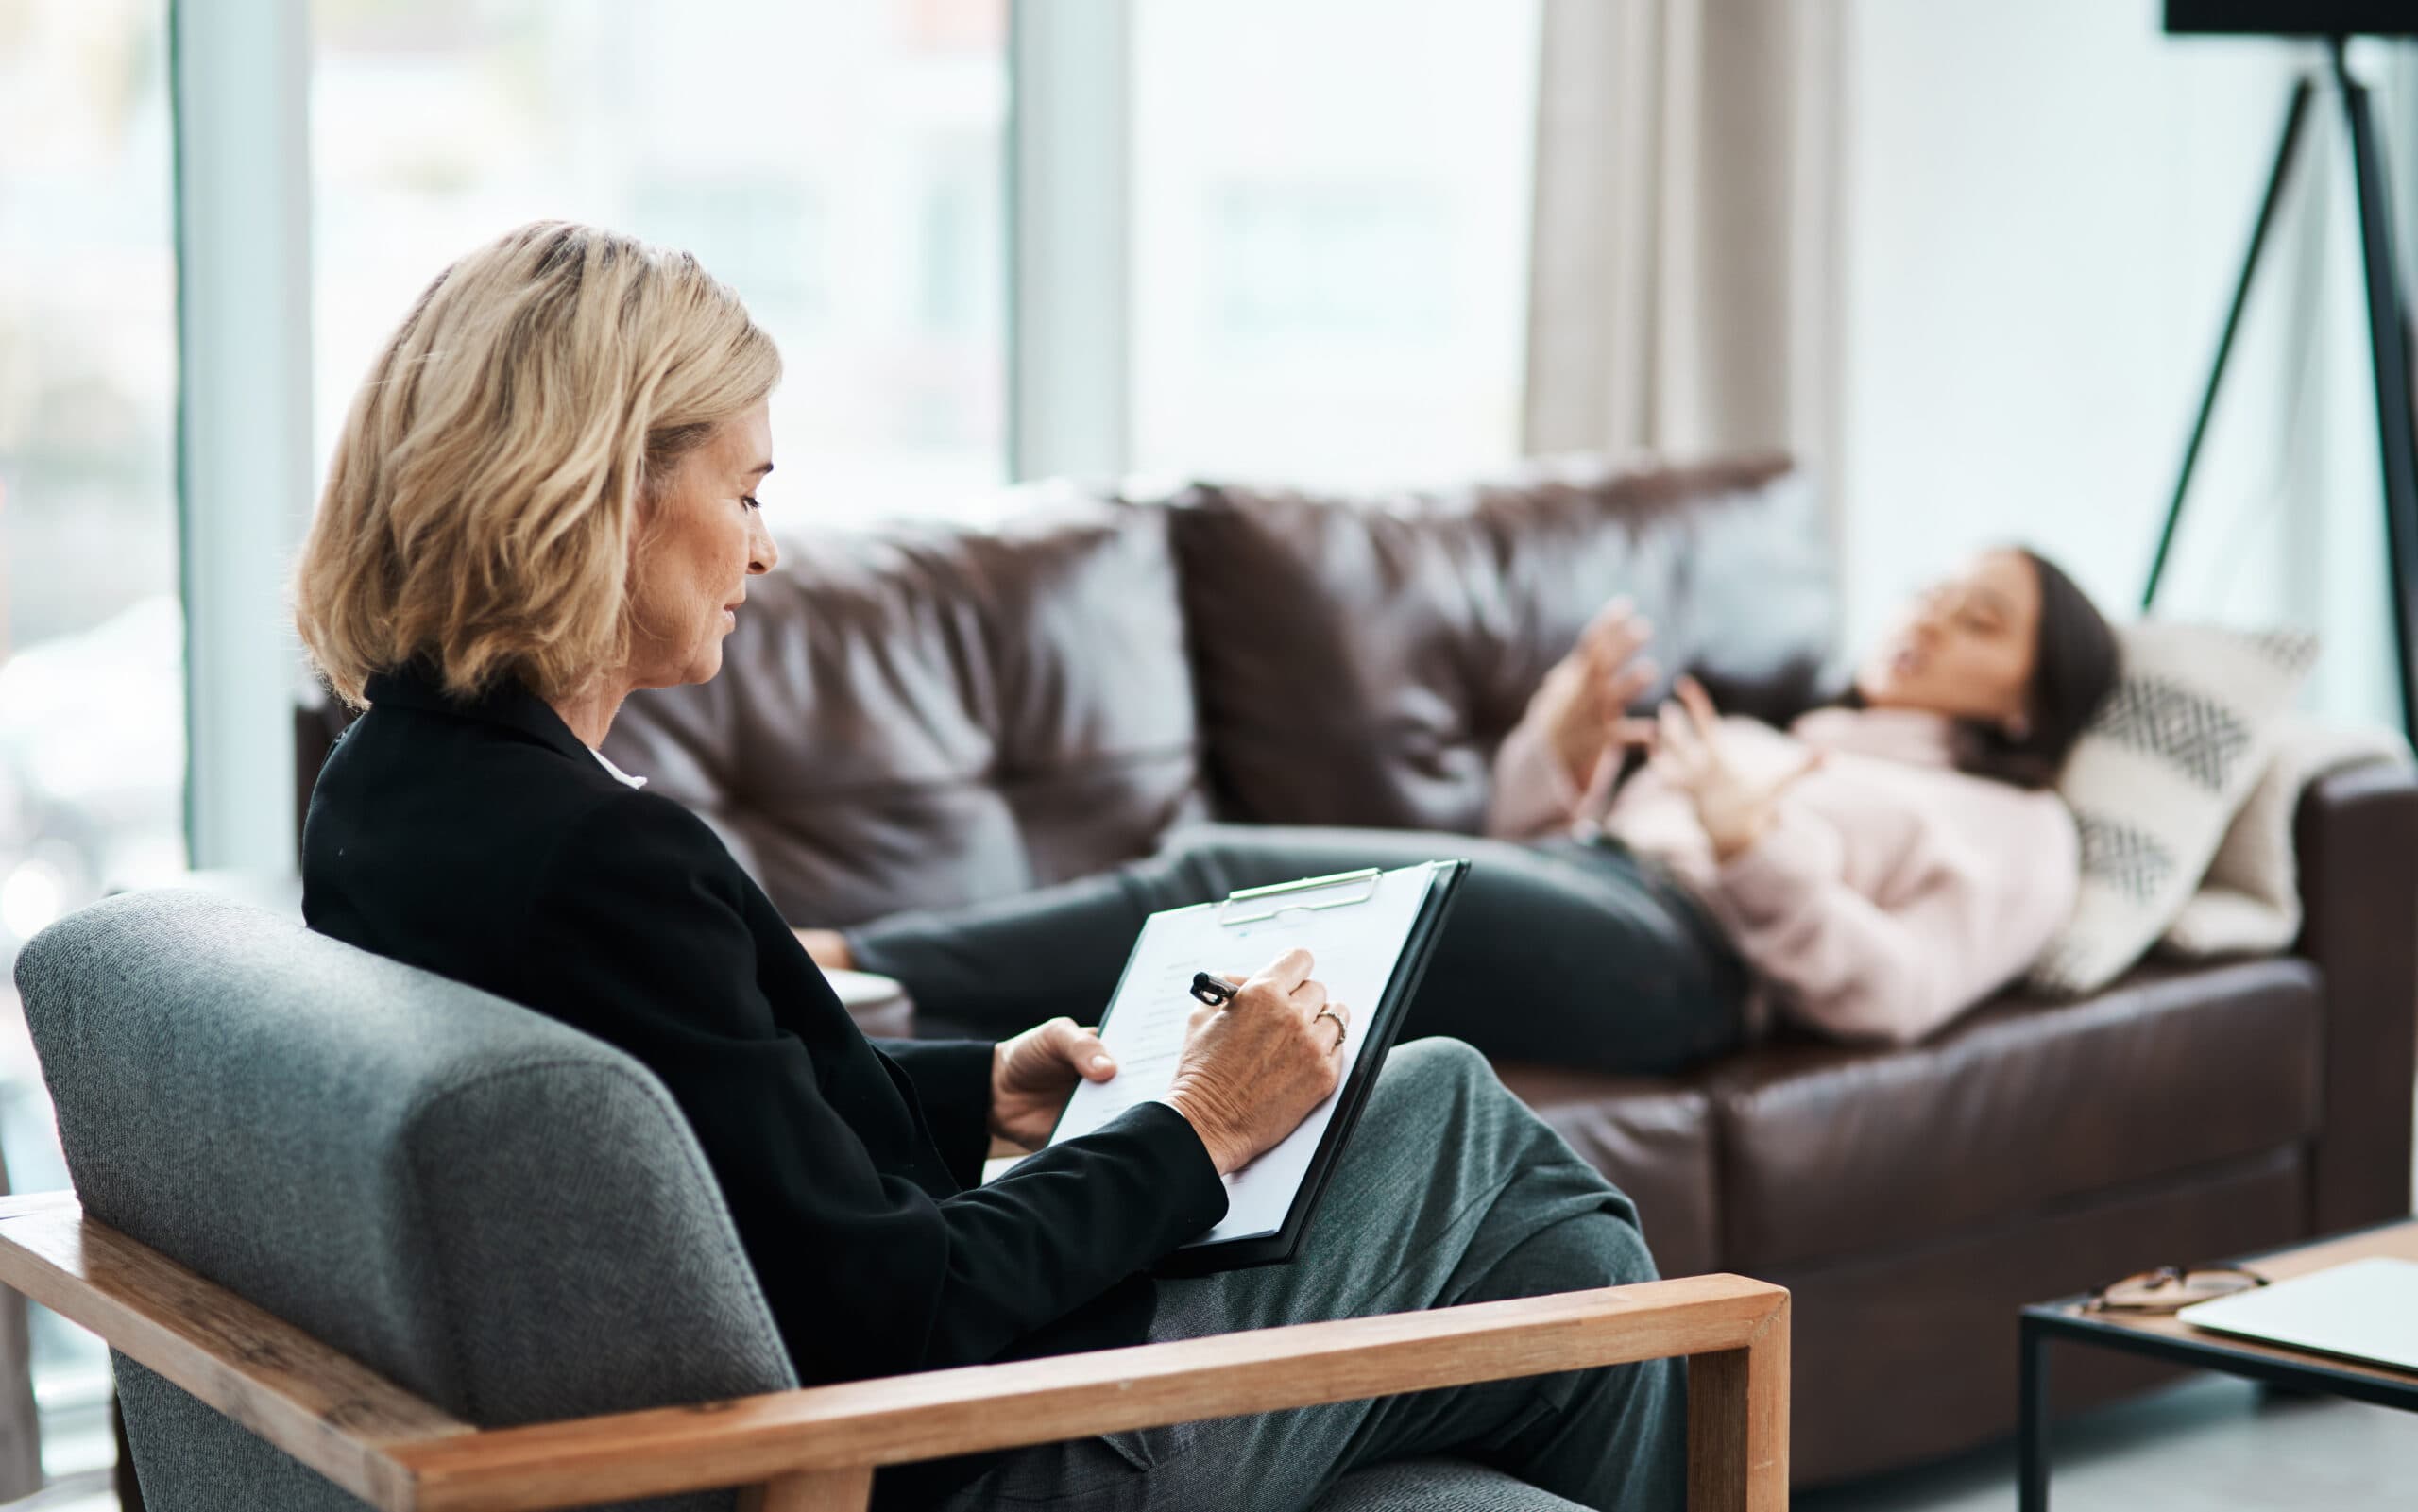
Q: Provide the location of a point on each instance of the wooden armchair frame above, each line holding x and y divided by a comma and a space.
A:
815, 1449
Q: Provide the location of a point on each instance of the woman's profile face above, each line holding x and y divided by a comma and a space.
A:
1964, 647
700, 537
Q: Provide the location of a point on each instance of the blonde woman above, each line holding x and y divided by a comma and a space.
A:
545, 499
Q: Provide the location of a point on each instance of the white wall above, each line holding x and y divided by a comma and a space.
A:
2047, 207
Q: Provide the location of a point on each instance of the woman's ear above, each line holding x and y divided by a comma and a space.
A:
646, 511
2019, 729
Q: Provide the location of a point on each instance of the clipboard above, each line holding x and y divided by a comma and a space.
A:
1265, 913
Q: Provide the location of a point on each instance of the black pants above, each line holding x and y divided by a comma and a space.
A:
1556, 951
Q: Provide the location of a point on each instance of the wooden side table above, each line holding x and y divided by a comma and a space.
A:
2164, 1336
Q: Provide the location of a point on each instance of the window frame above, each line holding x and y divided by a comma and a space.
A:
1069, 237
239, 101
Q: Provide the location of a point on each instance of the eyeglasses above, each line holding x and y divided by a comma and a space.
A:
2170, 1288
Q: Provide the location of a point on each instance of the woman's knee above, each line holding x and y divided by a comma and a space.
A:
1443, 1064
1582, 1251
1202, 835
1622, 1254
1439, 1083
1437, 1090
1204, 861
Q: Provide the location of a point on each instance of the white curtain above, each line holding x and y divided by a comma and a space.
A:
1683, 275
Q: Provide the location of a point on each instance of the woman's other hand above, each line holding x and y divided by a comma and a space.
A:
828, 947
1253, 1068
1734, 808
1589, 691
1033, 1074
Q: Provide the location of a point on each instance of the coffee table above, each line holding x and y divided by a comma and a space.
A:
2166, 1337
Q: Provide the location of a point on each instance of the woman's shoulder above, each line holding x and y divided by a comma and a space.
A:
410, 802
622, 830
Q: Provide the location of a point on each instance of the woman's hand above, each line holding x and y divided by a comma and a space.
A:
1734, 808
1033, 1074
1252, 1069
828, 947
1588, 692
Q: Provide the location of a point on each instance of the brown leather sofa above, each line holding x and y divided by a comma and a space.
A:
932, 714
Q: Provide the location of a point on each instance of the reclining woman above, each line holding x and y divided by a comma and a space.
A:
1871, 872
544, 499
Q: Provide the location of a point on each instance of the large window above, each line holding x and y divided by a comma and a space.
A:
92, 694
1330, 217
840, 165
90, 702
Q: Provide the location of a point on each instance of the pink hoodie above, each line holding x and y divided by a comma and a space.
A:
1892, 893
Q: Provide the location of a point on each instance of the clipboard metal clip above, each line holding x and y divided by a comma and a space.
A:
1227, 916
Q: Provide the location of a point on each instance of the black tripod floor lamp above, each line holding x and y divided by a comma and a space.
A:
2388, 339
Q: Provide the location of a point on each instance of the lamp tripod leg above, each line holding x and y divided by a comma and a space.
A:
2287, 153
2388, 350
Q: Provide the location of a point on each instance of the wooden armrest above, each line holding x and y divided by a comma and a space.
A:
816, 1448
326, 1410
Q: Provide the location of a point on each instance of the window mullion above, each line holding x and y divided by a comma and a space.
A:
1068, 232
240, 82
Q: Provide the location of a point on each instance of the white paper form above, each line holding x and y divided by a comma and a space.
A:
1353, 948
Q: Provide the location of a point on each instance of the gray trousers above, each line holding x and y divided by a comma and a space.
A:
1450, 1190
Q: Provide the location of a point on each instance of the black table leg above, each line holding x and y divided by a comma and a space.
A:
2032, 1435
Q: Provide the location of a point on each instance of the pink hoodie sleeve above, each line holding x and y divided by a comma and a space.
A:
1533, 792
1990, 898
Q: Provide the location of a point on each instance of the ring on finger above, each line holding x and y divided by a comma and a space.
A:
1340, 1030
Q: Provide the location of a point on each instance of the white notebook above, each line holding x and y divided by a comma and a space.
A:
2365, 1310
1354, 946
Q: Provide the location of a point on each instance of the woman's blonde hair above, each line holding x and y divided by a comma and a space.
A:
479, 513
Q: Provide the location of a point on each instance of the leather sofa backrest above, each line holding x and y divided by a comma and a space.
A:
928, 714
1358, 659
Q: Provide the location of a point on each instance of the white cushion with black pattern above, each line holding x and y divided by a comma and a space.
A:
2156, 780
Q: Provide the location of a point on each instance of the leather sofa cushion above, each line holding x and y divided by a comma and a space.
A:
1360, 659
927, 715
1829, 1152
1653, 1139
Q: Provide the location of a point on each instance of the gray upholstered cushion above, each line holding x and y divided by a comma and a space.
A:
499, 1214
1438, 1486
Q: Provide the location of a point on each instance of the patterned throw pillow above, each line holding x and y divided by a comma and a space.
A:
2155, 779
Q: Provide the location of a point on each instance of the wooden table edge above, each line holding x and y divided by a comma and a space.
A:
2160, 1334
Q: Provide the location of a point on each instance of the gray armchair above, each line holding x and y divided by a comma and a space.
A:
359, 1235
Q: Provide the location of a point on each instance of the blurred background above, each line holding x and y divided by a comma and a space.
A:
1967, 259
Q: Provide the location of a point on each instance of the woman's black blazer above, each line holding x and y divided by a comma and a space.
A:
483, 841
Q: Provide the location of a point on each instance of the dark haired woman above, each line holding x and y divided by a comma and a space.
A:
1871, 871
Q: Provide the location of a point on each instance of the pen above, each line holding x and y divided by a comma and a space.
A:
1213, 991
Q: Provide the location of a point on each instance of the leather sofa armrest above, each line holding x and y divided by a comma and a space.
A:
2356, 838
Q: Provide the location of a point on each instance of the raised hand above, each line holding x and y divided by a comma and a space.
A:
1734, 808
1588, 692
